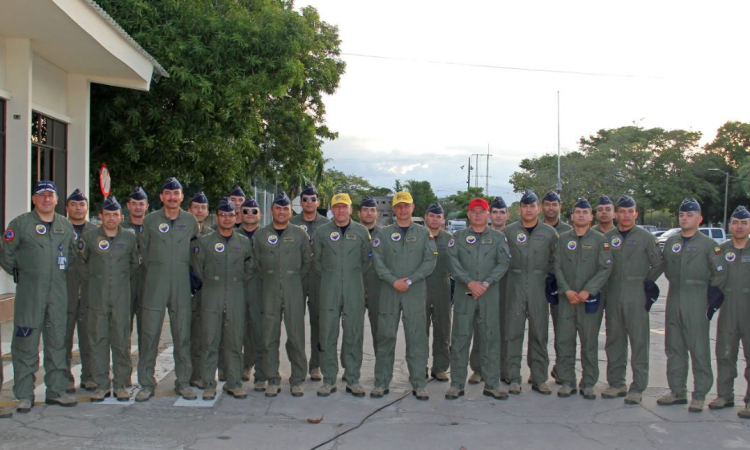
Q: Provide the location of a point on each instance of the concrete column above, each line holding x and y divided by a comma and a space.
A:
79, 90
18, 135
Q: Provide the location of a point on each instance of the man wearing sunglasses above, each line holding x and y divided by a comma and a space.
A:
253, 340
310, 220
283, 258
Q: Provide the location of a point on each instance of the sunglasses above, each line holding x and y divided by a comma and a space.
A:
309, 199
226, 214
253, 211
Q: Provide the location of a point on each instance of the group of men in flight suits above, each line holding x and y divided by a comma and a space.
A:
228, 283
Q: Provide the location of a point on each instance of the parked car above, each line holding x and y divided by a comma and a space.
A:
649, 228
717, 234
658, 233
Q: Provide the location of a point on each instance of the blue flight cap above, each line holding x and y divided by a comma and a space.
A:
225, 205
200, 197
582, 203
42, 186
77, 196
528, 197
250, 203
171, 184
368, 202
498, 203
435, 208
237, 192
625, 201
551, 196
604, 200
282, 199
309, 189
111, 204
741, 213
138, 194
690, 204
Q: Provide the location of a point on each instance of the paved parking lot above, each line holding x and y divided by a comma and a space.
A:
528, 421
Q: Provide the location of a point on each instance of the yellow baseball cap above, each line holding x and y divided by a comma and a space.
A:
341, 198
402, 197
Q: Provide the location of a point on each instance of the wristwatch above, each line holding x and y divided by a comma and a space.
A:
485, 284
408, 281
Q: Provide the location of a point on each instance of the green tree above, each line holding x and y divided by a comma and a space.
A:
335, 181
422, 193
244, 98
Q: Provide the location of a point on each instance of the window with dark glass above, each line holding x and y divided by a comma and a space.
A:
49, 140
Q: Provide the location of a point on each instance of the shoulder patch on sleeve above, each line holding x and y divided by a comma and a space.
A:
376, 242
452, 242
9, 235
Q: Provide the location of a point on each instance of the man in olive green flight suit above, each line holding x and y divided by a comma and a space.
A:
253, 341
368, 216
439, 296
532, 247
283, 257
695, 268
110, 256
499, 218
137, 206
341, 255
222, 260
734, 327
405, 255
166, 248
77, 208
636, 261
310, 220
479, 258
38, 249
583, 263
551, 207
199, 209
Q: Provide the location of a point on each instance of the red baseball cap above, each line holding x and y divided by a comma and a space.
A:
479, 202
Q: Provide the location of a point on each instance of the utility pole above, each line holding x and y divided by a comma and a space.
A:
468, 175
559, 179
487, 169
487, 173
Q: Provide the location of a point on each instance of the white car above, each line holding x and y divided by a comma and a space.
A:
717, 234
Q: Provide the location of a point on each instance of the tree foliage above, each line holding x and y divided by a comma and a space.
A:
421, 192
244, 97
657, 167
334, 181
456, 205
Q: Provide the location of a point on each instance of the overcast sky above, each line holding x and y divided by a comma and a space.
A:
430, 91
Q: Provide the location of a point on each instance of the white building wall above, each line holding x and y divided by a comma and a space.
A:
49, 89
2, 63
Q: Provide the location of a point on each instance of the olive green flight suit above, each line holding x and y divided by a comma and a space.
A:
533, 258
439, 306
399, 255
734, 321
372, 295
311, 288
196, 340
691, 267
166, 248
137, 283
282, 262
77, 299
33, 248
107, 265
482, 257
474, 358
224, 266
560, 227
635, 259
581, 263
253, 340
340, 260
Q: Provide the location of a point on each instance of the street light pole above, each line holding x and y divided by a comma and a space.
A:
726, 197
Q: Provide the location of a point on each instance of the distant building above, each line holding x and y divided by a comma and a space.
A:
384, 208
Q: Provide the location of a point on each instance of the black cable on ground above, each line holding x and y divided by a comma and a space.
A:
362, 422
